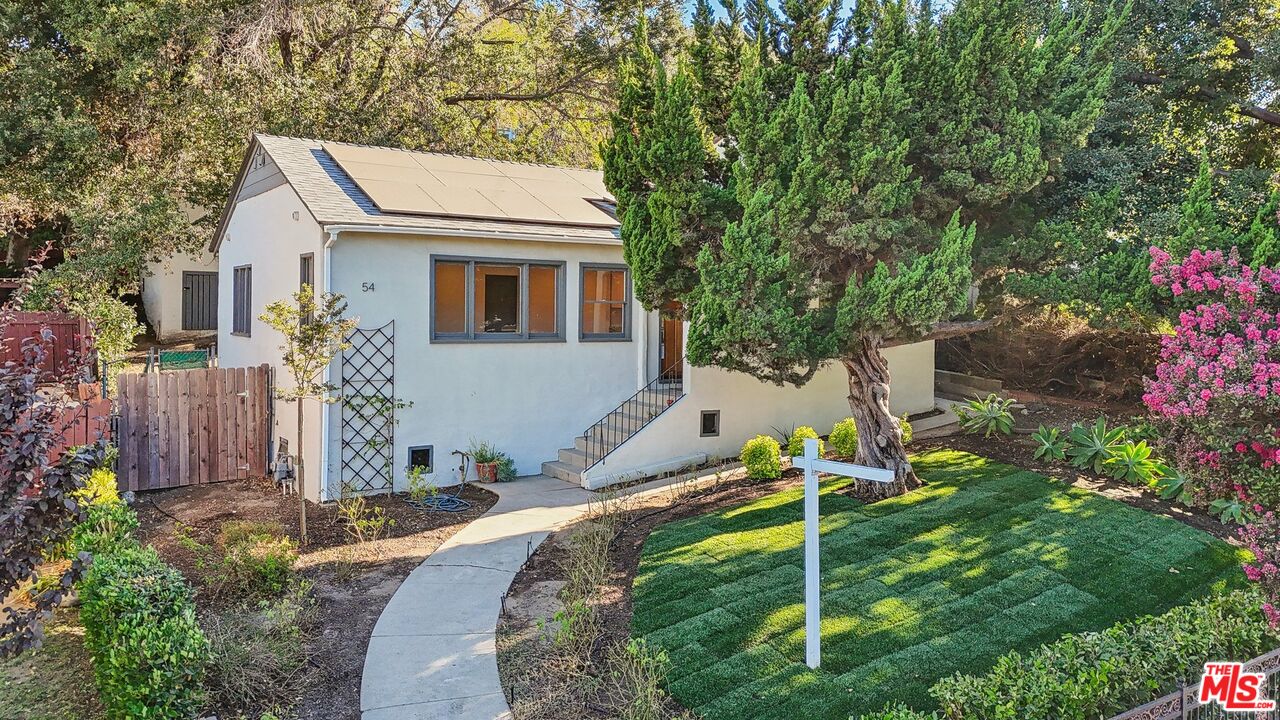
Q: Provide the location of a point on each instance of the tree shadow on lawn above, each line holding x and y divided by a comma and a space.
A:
985, 559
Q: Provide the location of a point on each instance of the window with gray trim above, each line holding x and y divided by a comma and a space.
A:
709, 423
306, 278
496, 300
242, 300
605, 310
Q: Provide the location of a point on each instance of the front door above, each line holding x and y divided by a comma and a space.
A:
671, 348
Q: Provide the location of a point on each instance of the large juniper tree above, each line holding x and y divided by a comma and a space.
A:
835, 212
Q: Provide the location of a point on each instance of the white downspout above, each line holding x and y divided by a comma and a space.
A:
324, 408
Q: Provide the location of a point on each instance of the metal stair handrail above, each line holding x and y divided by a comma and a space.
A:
618, 425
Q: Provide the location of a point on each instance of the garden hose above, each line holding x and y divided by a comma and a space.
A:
446, 502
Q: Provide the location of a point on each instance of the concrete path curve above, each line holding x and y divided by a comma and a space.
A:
432, 654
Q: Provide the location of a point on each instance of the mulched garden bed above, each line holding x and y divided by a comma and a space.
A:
350, 584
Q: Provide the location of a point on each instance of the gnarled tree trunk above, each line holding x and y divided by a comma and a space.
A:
879, 435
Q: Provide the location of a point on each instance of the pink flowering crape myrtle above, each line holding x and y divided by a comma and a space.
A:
1216, 393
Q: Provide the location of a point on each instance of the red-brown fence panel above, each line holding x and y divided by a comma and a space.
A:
70, 335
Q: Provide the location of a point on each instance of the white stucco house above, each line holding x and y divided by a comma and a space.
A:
494, 305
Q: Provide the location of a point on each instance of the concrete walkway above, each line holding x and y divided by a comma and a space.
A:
432, 655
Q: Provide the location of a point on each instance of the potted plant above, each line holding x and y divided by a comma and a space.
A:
487, 459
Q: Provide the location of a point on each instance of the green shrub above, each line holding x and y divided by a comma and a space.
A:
100, 488
258, 556
109, 522
148, 652
249, 559
636, 672
363, 521
844, 437
795, 444
506, 468
762, 456
108, 527
1099, 674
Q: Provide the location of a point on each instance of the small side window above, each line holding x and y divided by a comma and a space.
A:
710, 424
422, 456
242, 300
306, 278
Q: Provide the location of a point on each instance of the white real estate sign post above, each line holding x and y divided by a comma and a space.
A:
813, 464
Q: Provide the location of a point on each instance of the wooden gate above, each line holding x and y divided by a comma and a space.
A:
190, 427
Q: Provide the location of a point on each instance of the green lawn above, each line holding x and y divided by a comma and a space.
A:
985, 559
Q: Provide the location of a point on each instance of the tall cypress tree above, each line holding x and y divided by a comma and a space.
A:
865, 158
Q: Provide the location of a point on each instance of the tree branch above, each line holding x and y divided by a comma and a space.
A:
942, 331
1257, 112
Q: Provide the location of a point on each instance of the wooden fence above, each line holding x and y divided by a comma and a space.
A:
190, 427
70, 334
86, 421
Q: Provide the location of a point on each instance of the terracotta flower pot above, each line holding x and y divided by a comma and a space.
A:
487, 472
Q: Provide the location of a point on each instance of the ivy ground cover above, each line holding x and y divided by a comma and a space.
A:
985, 559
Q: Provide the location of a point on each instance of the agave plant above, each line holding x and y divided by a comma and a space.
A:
1049, 445
1132, 463
986, 415
1092, 446
1172, 484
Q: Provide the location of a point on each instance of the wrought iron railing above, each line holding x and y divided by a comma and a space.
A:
633, 414
1185, 703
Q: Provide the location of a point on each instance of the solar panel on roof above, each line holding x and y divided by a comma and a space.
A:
400, 181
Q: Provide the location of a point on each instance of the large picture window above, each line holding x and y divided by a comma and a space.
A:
606, 304
475, 299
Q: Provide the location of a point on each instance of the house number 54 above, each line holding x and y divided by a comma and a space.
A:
366, 287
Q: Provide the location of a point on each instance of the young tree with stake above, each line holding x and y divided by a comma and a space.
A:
862, 158
315, 331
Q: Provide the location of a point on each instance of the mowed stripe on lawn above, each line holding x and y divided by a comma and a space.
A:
985, 559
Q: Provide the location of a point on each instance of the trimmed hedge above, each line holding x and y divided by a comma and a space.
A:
108, 526
148, 651
1100, 674
109, 521
762, 457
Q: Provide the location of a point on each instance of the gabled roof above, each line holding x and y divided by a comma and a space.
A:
335, 198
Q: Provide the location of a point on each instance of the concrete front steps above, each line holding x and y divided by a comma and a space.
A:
613, 429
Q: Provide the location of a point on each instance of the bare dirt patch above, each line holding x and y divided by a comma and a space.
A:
351, 583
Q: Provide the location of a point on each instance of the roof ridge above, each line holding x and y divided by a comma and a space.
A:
423, 152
